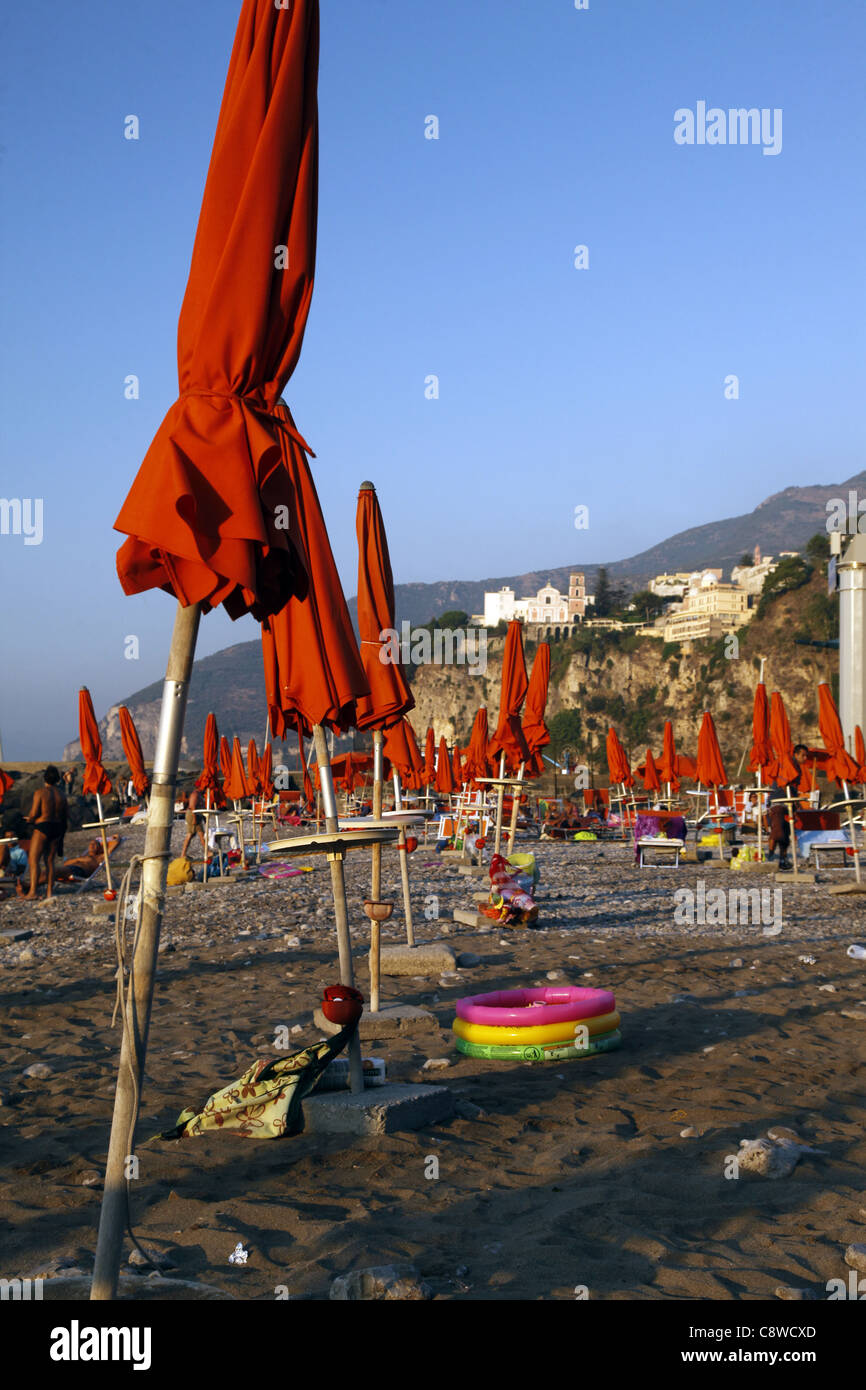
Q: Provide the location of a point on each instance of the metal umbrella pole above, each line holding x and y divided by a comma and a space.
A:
376, 869
338, 888
139, 999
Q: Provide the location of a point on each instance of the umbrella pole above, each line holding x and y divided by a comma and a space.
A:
853, 832
403, 851
759, 819
104, 841
515, 807
500, 799
157, 848
341, 909
206, 830
376, 868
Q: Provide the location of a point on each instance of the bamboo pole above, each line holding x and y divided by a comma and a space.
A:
515, 809
403, 851
142, 975
500, 798
104, 841
341, 907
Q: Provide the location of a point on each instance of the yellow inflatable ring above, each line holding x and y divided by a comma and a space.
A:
548, 1033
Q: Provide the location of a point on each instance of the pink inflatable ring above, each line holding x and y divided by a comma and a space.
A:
531, 1008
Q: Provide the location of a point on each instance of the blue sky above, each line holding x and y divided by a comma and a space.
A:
452, 257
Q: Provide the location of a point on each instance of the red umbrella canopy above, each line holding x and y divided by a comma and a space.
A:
209, 779
96, 780
476, 754
390, 696
430, 758
403, 753
253, 774
783, 769
617, 762
841, 766
236, 784
509, 738
226, 761
535, 730
266, 776
762, 747
711, 768
668, 768
457, 767
206, 516
651, 776
5, 783
313, 670
859, 753
132, 749
444, 771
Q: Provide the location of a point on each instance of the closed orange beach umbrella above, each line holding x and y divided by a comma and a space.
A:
211, 515
710, 767
132, 749
617, 762
841, 766
96, 780
430, 758
535, 730
236, 785
651, 776
508, 737
762, 748
444, 771
668, 768
313, 670
266, 776
783, 769
253, 774
5, 783
476, 754
859, 754
209, 781
403, 753
457, 767
390, 696
226, 762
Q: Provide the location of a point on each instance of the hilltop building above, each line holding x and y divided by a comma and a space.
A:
548, 613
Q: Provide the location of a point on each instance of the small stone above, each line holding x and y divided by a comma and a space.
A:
554, 974
26, 957
292, 940
436, 1064
91, 1178
796, 1295
688, 1133
858, 1014
855, 1258
296, 1028
829, 989
382, 1282
39, 1071
737, 963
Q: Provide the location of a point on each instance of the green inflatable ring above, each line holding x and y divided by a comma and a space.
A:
555, 1052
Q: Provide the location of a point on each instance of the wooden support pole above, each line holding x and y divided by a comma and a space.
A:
500, 798
104, 841
403, 851
341, 907
157, 848
515, 810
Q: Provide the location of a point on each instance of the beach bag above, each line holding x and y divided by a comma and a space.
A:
179, 871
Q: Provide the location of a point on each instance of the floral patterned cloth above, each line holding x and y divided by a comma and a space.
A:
265, 1103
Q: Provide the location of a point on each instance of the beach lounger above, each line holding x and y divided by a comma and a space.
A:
666, 847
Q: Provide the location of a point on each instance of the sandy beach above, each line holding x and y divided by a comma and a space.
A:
605, 1175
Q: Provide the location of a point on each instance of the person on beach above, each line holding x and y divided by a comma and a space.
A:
195, 823
69, 780
48, 816
777, 815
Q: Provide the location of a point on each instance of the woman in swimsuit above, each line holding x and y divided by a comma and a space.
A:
48, 815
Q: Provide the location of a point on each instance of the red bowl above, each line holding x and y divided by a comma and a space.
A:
109, 895
341, 1004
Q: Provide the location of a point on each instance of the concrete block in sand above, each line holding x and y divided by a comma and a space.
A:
470, 919
785, 877
379, 1110
428, 958
392, 1021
